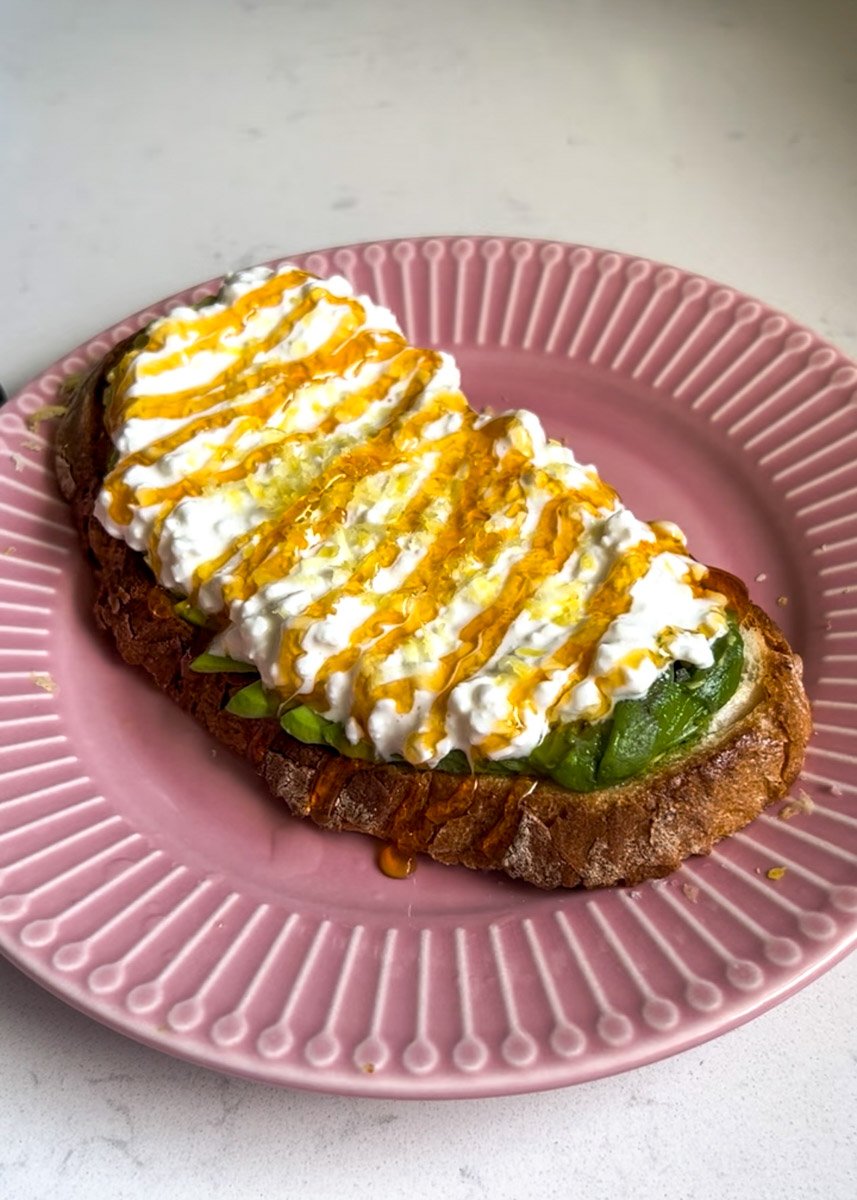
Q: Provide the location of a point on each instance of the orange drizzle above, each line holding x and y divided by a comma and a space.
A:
336, 356
463, 546
554, 540
609, 600
322, 507
467, 479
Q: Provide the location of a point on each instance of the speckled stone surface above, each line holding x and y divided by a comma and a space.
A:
145, 147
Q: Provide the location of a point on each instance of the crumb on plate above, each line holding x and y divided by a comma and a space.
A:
45, 681
46, 413
802, 802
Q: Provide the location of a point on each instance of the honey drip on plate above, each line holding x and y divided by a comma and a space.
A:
396, 863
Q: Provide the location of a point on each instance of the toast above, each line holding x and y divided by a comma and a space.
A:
523, 824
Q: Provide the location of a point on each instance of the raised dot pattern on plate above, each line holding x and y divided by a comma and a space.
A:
564, 989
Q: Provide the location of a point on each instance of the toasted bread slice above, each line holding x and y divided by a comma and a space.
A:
528, 828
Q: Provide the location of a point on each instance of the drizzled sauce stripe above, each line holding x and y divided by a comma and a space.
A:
496, 514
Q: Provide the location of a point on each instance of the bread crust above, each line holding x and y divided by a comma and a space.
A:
530, 829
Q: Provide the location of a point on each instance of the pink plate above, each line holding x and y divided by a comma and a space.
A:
148, 879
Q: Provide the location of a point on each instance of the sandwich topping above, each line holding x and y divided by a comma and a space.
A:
427, 578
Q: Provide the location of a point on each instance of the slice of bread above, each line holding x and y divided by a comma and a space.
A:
530, 829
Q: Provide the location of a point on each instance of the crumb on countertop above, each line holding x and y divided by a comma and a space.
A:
775, 873
691, 892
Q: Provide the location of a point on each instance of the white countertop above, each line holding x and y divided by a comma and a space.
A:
149, 146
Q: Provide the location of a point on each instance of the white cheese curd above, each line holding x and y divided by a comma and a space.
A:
329, 636
661, 601
392, 732
199, 530
287, 459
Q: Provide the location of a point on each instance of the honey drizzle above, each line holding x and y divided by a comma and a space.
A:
610, 599
270, 549
554, 540
379, 557
120, 406
325, 502
257, 414
469, 473
330, 779
422, 594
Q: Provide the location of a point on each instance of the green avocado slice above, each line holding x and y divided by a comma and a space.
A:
193, 615
220, 664
719, 682
307, 726
644, 729
579, 757
578, 768
456, 762
675, 709
254, 701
